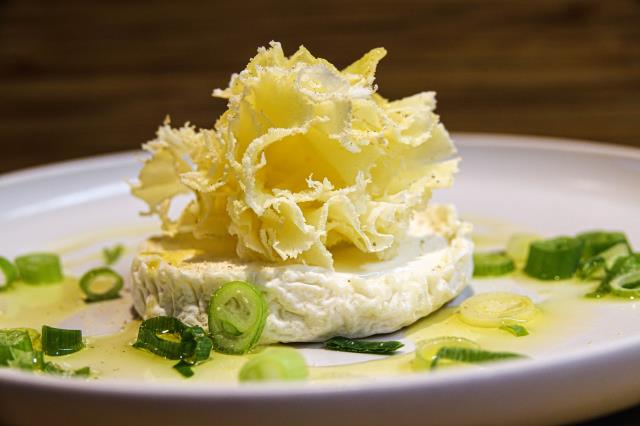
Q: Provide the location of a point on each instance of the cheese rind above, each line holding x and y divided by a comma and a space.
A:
360, 297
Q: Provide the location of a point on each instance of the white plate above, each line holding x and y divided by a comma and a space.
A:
545, 185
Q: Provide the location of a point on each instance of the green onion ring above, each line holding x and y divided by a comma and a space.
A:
8, 273
554, 259
237, 316
59, 341
101, 276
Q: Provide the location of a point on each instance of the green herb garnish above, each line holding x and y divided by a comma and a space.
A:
39, 268
492, 264
101, 284
362, 346
237, 316
472, 356
112, 254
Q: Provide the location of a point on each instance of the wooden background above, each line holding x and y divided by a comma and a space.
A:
81, 78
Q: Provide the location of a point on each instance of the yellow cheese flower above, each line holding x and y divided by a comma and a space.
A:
306, 157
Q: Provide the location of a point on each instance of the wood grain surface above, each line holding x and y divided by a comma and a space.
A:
81, 78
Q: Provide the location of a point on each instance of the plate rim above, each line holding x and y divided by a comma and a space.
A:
423, 381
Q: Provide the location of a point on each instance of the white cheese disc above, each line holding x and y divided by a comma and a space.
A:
360, 297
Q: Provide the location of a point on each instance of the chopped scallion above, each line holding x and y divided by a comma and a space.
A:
8, 273
112, 254
427, 350
518, 246
184, 368
362, 346
554, 259
515, 329
275, 364
59, 341
491, 264
101, 284
472, 356
623, 266
237, 316
170, 338
39, 268
12, 343
496, 309
596, 266
595, 242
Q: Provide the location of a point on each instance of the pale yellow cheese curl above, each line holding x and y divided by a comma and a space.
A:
306, 157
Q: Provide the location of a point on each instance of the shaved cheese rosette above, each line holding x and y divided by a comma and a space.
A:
307, 157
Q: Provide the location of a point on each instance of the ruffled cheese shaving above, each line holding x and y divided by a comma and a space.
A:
306, 157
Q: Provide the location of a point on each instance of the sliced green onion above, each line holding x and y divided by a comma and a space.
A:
515, 329
101, 284
51, 368
170, 338
201, 346
8, 273
163, 336
595, 242
344, 344
275, 364
39, 268
237, 316
554, 259
623, 266
112, 254
491, 264
518, 246
497, 309
596, 266
427, 350
626, 285
184, 368
12, 343
60, 341
592, 268
471, 356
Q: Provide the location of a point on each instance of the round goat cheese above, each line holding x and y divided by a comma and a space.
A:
360, 296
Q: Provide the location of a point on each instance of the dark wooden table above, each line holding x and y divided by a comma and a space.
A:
82, 78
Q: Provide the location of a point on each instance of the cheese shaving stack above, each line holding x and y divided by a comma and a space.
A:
306, 158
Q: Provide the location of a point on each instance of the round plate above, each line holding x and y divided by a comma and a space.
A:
544, 185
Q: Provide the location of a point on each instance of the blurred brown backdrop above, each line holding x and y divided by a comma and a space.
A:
80, 78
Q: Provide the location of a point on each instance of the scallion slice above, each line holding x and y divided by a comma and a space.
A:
554, 259
344, 344
39, 268
497, 309
170, 338
60, 341
13, 342
163, 336
595, 242
8, 273
184, 368
624, 265
626, 285
101, 284
112, 254
491, 264
515, 329
427, 350
275, 364
596, 266
473, 356
518, 246
237, 316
